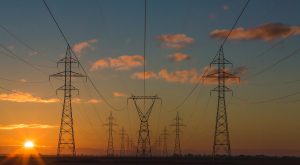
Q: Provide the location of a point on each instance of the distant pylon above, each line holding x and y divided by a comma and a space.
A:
127, 145
131, 147
110, 144
122, 144
177, 125
66, 141
144, 145
165, 142
157, 146
221, 145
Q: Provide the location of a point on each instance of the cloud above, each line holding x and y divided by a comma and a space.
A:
124, 62
81, 46
23, 97
212, 16
180, 76
84, 101
177, 57
225, 7
119, 94
23, 80
265, 32
27, 126
237, 72
192, 76
148, 75
174, 41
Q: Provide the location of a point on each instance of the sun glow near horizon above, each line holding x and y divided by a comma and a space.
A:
29, 144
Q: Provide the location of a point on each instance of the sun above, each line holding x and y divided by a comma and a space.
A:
28, 144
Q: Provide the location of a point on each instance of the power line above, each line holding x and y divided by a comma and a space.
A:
191, 92
23, 82
13, 35
274, 99
88, 77
9, 90
233, 26
19, 58
235, 23
223, 43
267, 68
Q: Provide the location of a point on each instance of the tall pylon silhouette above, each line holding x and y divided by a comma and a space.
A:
178, 124
165, 142
122, 144
110, 144
66, 142
221, 144
144, 104
144, 144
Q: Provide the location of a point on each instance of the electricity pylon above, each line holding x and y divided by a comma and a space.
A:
110, 144
157, 146
221, 145
66, 141
122, 144
144, 145
131, 146
177, 125
127, 145
165, 143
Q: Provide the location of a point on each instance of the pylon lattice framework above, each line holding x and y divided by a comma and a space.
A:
144, 144
110, 142
177, 125
221, 144
165, 142
66, 141
122, 136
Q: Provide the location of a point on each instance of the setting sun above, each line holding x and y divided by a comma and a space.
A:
28, 144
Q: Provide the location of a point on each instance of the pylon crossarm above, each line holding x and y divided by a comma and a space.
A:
60, 74
67, 60
75, 74
217, 89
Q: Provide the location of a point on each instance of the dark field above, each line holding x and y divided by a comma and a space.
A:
241, 160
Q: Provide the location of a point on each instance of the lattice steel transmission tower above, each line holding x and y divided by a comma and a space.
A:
110, 144
144, 104
128, 151
178, 124
66, 142
165, 142
221, 145
122, 144
144, 144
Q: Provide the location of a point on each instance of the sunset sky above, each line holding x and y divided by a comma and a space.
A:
183, 36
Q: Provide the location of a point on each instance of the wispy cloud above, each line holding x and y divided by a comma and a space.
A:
175, 41
119, 94
192, 76
23, 97
177, 57
148, 75
225, 7
265, 32
85, 101
124, 62
27, 126
84, 45
180, 76
238, 72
